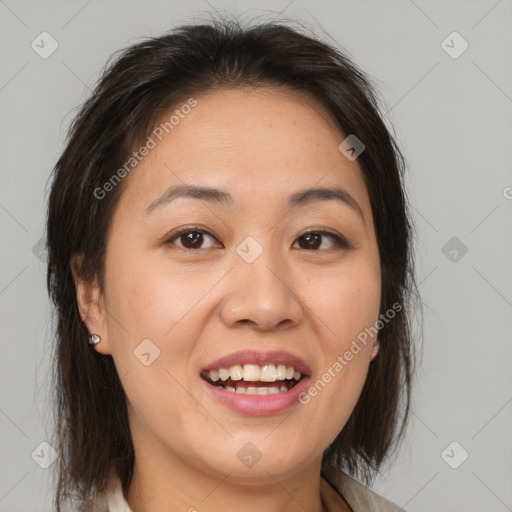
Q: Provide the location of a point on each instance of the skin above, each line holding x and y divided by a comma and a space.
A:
196, 305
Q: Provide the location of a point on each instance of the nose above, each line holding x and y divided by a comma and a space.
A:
261, 295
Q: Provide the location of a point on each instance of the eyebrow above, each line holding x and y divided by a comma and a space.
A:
215, 195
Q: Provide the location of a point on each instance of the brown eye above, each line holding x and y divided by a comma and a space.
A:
194, 239
191, 239
313, 240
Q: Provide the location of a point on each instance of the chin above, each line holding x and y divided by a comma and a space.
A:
253, 466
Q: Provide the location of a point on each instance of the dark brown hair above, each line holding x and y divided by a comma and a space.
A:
136, 88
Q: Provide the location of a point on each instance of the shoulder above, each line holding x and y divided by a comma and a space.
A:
111, 499
359, 497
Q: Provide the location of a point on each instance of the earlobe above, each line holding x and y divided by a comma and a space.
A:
90, 305
375, 350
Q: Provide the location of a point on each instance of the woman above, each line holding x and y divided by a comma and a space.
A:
230, 261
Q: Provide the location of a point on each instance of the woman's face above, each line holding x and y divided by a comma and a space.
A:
199, 285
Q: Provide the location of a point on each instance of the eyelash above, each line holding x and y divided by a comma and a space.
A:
339, 242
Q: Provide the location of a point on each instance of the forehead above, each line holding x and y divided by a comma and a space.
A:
258, 143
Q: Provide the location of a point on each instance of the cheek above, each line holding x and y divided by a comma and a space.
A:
149, 304
347, 306
144, 304
149, 298
168, 306
348, 303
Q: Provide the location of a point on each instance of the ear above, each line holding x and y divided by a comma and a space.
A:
90, 305
375, 350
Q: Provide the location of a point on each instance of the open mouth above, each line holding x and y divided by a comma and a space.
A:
253, 379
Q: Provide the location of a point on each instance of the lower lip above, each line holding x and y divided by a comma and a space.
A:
257, 405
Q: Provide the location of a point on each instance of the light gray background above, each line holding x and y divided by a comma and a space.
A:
453, 119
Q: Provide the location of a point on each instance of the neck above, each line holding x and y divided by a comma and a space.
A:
178, 486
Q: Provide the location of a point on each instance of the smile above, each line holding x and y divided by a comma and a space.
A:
254, 383
253, 379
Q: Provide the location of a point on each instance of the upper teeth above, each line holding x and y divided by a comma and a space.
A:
253, 373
